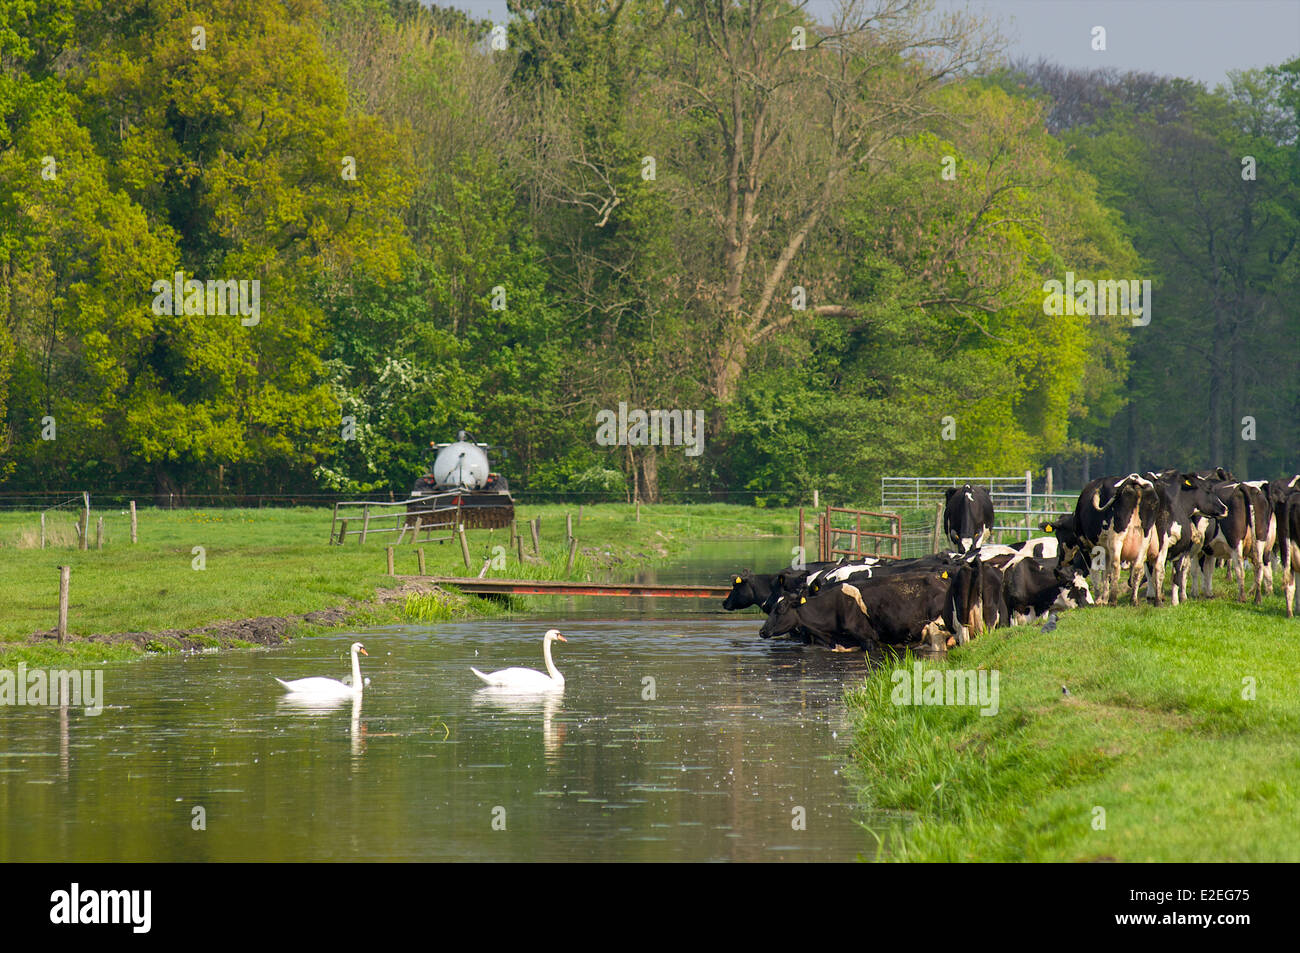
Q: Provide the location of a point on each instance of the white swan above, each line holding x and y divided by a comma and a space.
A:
325, 688
527, 679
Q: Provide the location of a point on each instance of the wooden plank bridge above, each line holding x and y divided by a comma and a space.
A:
533, 587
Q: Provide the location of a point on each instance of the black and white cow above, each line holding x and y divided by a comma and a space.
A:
1031, 588
967, 516
1185, 503
1247, 531
1116, 516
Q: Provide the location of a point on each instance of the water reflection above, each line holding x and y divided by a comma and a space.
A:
545, 704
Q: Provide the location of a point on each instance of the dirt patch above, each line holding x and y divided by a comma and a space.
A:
263, 630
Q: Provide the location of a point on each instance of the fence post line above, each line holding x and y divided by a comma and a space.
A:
419, 559
389, 550
536, 526
65, 573
85, 529
42, 530
365, 523
464, 543
99, 533
343, 531
133, 536
573, 551
334, 520
568, 526
519, 548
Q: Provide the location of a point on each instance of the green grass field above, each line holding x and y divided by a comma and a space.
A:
1158, 731
277, 562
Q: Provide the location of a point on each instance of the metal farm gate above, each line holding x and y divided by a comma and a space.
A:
840, 533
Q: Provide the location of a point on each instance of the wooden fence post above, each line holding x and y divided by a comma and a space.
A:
42, 531
464, 543
99, 533
133, 536
85, 529
419, 559
519, 548
573, 551
65, 573
568, 526
937, 537
390, 560
537, 534
365, 523
638, 511
343, 531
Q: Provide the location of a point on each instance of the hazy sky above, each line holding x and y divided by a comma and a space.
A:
1200, 39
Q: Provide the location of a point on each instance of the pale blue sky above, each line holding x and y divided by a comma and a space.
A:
1199, 39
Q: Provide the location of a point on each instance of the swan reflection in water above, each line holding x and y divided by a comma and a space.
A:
545, 704
319, 707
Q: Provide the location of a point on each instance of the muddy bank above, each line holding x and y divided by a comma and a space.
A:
263, 630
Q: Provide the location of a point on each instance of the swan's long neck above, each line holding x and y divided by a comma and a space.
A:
551, 670
356, 673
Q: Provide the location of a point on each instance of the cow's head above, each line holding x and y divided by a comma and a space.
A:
742, 593
784, 617
1201, 493
1278, 490
1074, 590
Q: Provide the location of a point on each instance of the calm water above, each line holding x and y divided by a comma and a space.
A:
738, 734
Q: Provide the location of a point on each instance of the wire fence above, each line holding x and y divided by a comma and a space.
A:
33, 500
1019, 506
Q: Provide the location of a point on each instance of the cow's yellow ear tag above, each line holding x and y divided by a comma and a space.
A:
738, 580
1187, 483
1047, 528
802, 600
945, 574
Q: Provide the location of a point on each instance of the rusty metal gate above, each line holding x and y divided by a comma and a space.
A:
840, 533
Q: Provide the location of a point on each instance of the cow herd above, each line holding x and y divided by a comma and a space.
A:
1188, 521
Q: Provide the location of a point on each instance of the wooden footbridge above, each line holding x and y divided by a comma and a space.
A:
536, 587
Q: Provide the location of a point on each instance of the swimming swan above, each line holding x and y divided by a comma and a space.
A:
329, 687
527, 679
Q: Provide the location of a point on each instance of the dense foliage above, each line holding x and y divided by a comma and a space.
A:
831, 241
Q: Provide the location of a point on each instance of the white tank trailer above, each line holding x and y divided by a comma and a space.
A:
461, 476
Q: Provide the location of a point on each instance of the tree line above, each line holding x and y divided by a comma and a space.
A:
830, 238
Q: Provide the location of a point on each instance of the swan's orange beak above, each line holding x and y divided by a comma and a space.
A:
560, 638
362, 650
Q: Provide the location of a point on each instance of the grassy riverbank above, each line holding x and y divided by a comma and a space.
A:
1158, 730
277, 563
